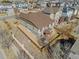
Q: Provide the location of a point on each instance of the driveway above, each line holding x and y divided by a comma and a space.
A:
2, 54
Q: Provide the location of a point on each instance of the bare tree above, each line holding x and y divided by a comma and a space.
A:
5, 36
7, 39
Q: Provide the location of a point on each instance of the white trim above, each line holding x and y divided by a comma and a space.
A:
22, 46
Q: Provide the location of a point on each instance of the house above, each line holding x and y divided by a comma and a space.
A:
38, 19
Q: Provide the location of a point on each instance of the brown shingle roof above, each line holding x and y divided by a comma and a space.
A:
39, 19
